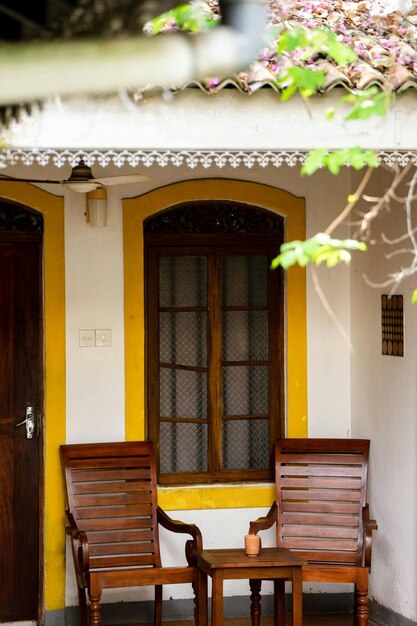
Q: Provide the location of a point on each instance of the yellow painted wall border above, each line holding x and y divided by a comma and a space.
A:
135, 211
52, 209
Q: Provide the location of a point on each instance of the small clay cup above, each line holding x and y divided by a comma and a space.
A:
252, 545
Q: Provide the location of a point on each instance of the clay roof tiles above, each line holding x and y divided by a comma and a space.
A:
385, 42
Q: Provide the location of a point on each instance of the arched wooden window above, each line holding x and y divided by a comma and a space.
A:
214, 341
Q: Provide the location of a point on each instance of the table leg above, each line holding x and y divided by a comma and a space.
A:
279, 602
297, 597
217, 600
202, 598
255, 605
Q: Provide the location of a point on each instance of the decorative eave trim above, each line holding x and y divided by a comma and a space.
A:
179, 158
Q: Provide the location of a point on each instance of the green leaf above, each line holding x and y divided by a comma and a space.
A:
186, 17
334, 160
318, 249
314, 161
309, 43
288, 92
330, 113
342, 54
414, 296
367, 103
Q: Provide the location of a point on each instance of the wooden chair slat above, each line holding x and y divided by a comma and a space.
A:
321, 507
106, 511
321, 520
322, 494
112, 486
123, 499
320, 470
136, 449
121, 535
338, 545
133, 560
116, 463
340, 482
325, 558
115, 523
93, 475
120, 549
324, 458
308, 530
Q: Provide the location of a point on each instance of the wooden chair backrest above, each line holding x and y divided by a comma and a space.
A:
111, 493
320, 492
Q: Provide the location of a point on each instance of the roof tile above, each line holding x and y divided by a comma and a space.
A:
385, 44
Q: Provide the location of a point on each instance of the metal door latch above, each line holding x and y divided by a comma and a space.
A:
29, 421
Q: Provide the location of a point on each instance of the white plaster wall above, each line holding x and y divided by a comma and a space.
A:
94, 300
95, 376
328, 334
384, 403
230, 119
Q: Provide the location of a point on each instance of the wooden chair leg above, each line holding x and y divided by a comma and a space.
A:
361, 599
255, 597
279, 602
200, 615
82, 603
157, 615
95, 610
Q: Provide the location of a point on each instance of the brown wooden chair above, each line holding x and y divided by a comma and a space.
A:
321, 513
113, 524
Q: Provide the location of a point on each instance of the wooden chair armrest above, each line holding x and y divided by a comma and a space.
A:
180, 527
79, 545
369, 525
263, 523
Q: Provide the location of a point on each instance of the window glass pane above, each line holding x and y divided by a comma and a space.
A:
183, 447
244, 280
245, 336
182, 281
183, 338
245, 444
183, 394
245, 390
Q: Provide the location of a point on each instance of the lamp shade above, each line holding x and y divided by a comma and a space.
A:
97, 207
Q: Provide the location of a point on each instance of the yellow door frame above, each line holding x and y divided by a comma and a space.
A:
52, 209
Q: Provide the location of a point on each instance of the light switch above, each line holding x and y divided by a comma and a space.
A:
86, 338
103, 338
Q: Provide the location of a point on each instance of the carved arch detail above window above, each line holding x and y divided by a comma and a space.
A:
15, 217
213, 218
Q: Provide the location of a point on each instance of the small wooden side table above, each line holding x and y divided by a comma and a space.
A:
277, 564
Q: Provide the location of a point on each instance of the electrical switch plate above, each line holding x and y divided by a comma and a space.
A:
86, 338
103, 338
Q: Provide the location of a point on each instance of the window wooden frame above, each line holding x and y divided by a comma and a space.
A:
215, 246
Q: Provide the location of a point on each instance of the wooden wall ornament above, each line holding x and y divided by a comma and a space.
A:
392, 320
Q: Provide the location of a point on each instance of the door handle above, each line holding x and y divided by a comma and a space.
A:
29, 421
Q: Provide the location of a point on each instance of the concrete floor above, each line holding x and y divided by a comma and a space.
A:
308, 620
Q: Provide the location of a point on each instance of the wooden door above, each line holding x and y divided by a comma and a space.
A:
20, 386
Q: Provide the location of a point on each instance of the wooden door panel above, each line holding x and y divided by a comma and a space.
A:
20, 375
6, 514
6, 335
